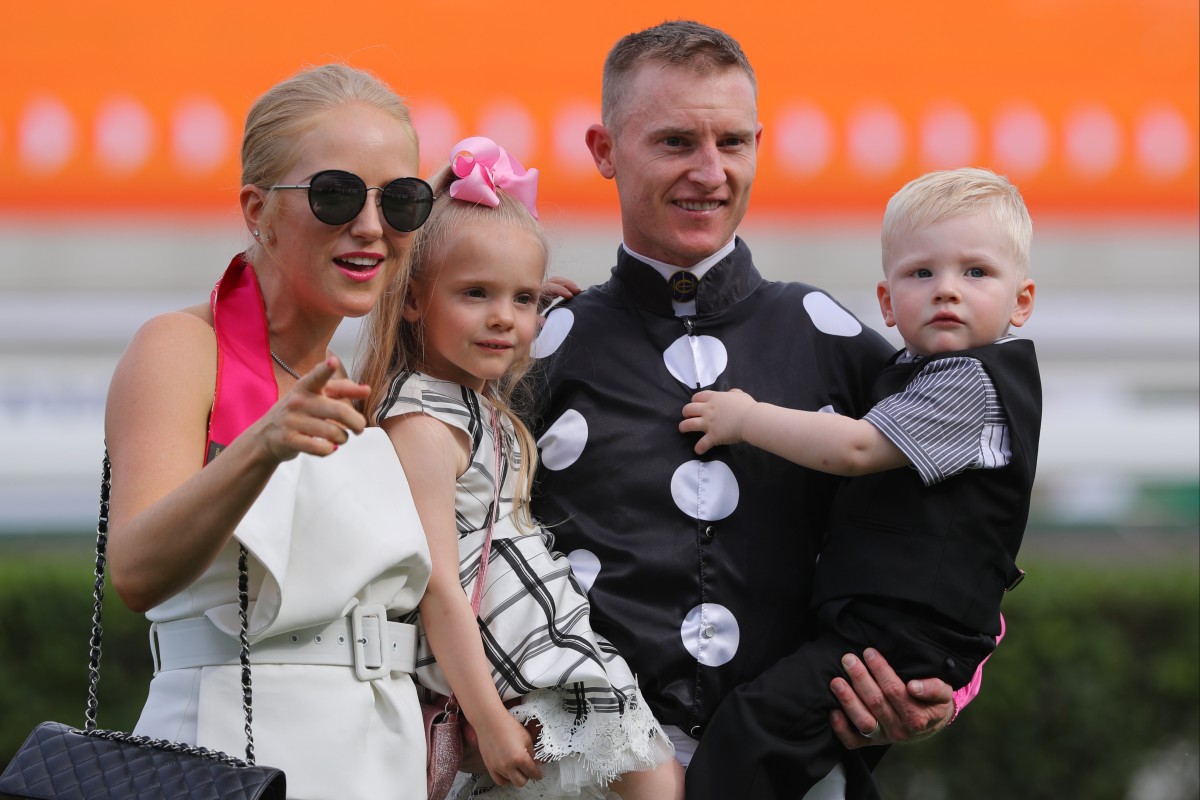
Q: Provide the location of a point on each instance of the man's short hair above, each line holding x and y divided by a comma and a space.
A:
950, 193
682, 43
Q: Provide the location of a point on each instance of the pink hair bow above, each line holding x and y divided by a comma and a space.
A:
481, 166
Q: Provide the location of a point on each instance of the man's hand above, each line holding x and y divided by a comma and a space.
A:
879, 708
557, 288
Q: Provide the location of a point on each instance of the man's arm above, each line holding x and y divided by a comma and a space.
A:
866, 683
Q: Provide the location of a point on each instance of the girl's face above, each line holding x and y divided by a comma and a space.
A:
478, 307
333, 271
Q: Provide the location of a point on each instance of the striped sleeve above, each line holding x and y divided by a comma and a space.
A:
942, 420
413, 392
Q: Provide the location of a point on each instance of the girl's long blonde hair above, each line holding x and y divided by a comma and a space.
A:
391, 345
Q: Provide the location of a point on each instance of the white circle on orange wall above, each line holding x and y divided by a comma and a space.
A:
1020, 141
570, 125
510, 126
1092, 142
201, 135
876, 140
439, 128
1164, 145
124, 135
949, 137
46, 136
803, 140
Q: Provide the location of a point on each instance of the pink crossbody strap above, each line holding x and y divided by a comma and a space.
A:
485, 551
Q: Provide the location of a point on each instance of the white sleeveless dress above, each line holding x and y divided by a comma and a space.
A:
534, 621
325, 535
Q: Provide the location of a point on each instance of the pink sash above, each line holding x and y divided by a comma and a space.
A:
246, 385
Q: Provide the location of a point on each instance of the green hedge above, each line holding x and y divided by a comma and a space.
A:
1098, 679
45, 626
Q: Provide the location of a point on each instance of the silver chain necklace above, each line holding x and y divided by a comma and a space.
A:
286, 368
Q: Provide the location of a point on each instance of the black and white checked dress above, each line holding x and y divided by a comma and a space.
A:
534, 620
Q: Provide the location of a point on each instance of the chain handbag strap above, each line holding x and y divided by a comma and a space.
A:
98, 631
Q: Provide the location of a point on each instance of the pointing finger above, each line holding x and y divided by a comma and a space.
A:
316, 378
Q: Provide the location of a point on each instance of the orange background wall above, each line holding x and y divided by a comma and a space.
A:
1089, 105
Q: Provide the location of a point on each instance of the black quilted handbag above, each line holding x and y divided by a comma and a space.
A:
61, 762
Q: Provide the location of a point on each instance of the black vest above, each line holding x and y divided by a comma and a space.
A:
950, 547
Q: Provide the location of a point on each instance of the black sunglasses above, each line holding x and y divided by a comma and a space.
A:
336, 197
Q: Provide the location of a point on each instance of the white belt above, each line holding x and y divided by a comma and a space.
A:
364, 639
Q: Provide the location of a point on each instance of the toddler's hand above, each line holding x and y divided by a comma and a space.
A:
508, 753
717, 415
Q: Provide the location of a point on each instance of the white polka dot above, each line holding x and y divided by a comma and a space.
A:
803, 139
1020, 141
510, 126
1165, 146
553, 333
711, 634
563, 442
876, 140
826, 409
570, 126
1093, 142
829, 317
949, 138
46, 136
439, 128
705, 490
124, 135
696, 361
201, 136
585, 567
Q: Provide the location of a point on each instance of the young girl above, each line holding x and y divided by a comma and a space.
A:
448, 349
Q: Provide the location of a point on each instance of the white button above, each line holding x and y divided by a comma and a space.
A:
708, 632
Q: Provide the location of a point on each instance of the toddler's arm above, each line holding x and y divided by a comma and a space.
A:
826, 442
433, 457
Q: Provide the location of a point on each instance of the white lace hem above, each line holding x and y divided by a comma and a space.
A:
579, 758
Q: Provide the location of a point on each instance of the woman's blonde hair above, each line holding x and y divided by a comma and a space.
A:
390, 345
291, 107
